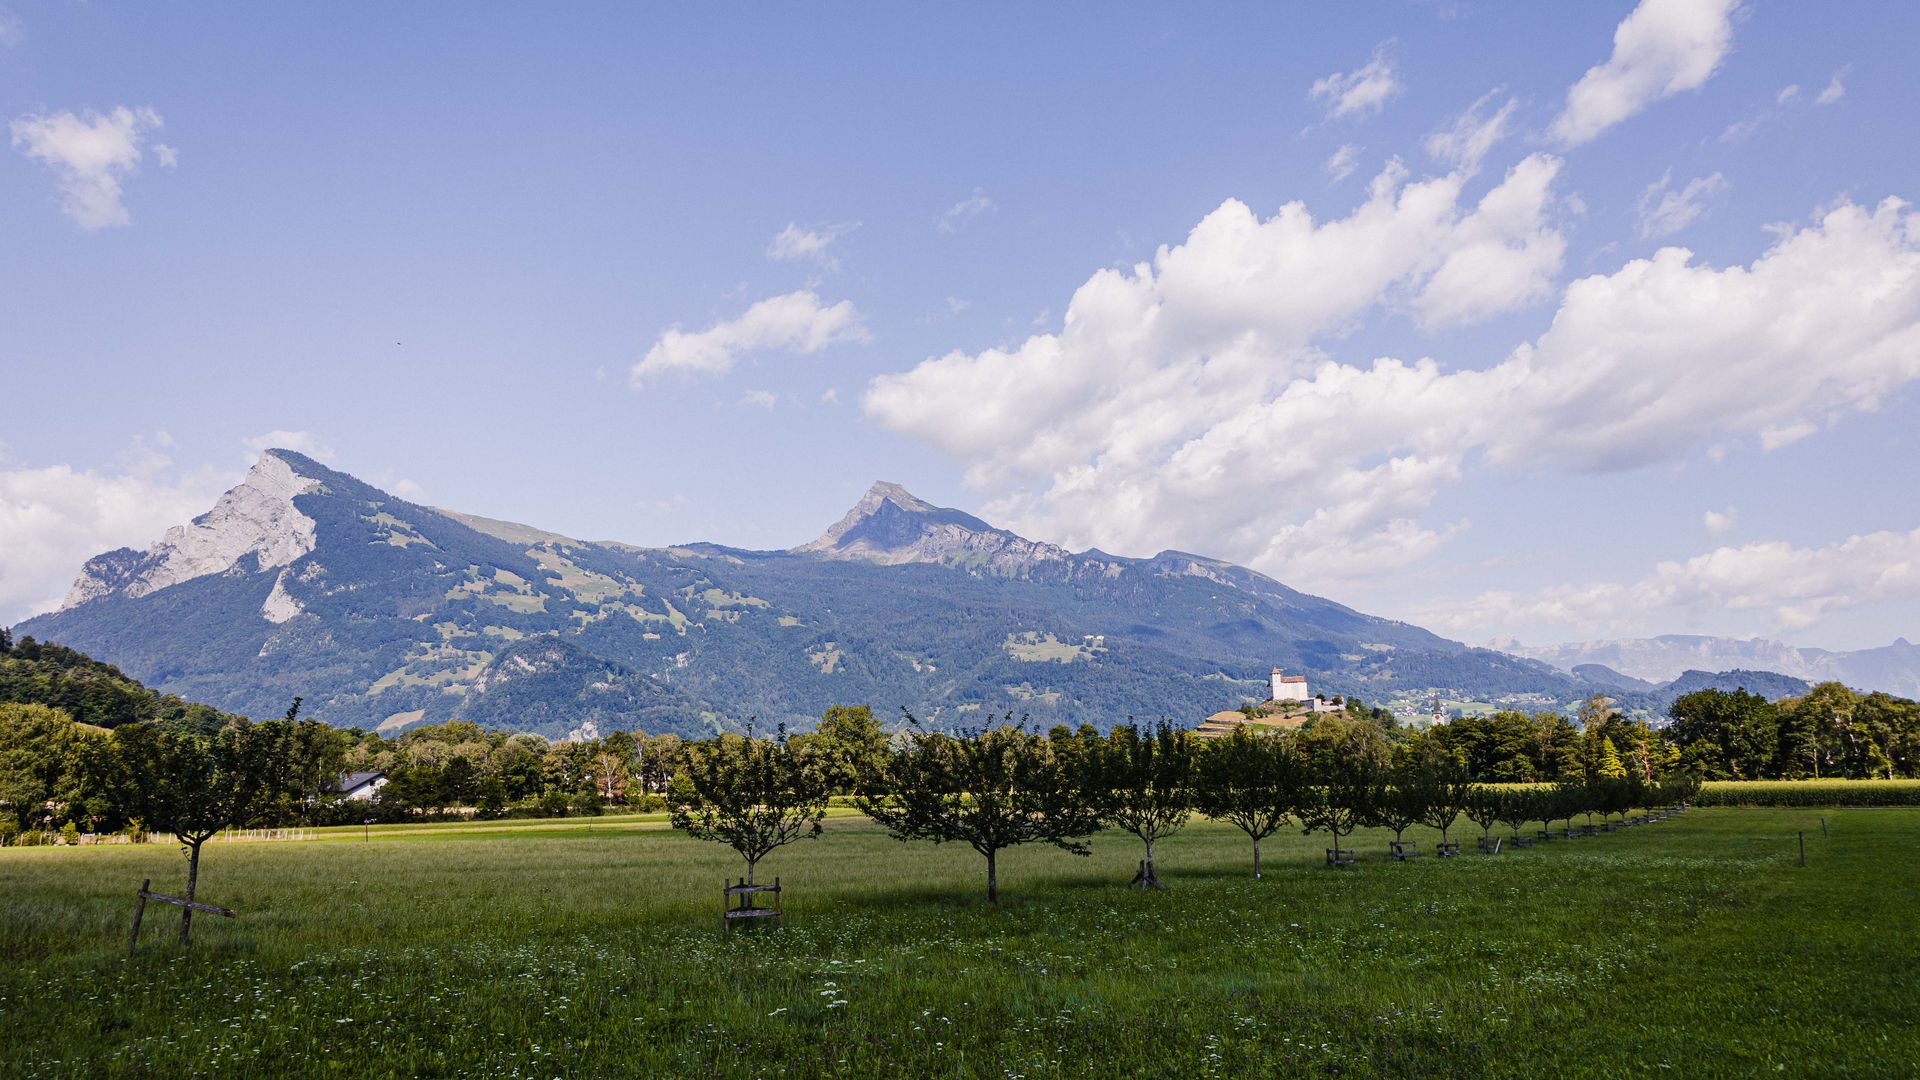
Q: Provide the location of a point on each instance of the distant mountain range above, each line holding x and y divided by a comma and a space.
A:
1894, 668
1768, 684
385, 613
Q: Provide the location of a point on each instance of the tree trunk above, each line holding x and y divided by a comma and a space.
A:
750, 863
1256, 858
193, 880
993, 880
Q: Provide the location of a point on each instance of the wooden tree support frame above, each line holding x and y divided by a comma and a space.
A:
1339, 856
140, 911
741, 902
1404, 849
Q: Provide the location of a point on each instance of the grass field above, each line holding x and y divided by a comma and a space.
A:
1692, 947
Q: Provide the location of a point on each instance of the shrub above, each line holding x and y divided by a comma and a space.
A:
70, 834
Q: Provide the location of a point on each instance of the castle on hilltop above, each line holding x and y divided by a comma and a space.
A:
1289, 687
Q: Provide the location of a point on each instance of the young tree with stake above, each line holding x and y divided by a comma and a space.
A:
1251, 780
753, 795
989, 789
193, 786
1143, 782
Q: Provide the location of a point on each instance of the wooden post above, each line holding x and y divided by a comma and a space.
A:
1823, 828
1803, 849
139, 909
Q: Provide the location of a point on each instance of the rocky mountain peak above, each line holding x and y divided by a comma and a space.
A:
257, 518
891, 525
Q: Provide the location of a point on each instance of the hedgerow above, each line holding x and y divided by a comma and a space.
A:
1809, 793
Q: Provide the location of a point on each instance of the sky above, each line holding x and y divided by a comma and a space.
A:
1518, 321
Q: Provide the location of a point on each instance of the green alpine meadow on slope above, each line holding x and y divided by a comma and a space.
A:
1695, 946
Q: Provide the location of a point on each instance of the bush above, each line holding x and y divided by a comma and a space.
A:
70, 834
1789, 793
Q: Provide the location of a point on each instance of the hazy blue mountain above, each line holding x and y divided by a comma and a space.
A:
1604, 676
1893, 668
381, 612
1768, 684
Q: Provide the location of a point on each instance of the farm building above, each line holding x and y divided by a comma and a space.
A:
362, 785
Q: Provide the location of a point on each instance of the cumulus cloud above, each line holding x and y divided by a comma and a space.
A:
90, 154
1188, 400
56, 517
1719, 521
1343, 162
1127, 413
302, 442
1664, 211
1792, 587
1361, 92
793, 322
1473, 132
797, 244
970, 207
1662, 48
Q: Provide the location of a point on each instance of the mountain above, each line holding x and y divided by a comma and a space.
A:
1893, 668
1768, 684
385, 613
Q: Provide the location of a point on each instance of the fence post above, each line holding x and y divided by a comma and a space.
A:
139, 909
1803, 849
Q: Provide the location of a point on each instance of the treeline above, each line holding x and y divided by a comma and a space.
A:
1000, 787
1830, 732
90, 692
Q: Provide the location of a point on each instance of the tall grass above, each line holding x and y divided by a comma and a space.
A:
1694, 946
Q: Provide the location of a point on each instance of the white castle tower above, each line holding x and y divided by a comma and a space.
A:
1289, 687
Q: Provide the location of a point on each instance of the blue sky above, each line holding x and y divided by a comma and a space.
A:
669, 274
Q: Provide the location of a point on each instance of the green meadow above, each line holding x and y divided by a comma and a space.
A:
1690, 947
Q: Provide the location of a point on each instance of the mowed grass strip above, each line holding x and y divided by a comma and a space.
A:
1694, 946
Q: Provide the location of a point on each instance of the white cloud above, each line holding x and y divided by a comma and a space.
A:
1719, 521
167, 156
1776, 436
1793, 587
797, 244
1343, 162
1664, 211
1787, 93
956, 305
1186, 402
300, 442
55, 518
90, 154
1662, 48
795, 322
1120, 411
1836, 88
970, 207
1474, 132
760, 399
1363, 91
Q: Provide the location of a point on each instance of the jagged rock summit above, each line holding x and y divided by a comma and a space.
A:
257, 518
891, 526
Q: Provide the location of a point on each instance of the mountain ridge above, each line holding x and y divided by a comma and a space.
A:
380, 611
